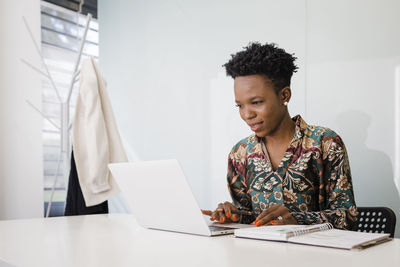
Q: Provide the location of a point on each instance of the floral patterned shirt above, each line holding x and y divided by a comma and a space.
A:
313, 179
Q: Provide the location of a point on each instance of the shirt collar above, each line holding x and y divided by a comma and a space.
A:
300, 127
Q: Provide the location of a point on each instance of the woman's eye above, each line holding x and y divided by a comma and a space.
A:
256, 102
238, 105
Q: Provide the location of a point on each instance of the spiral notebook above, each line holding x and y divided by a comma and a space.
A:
323, 235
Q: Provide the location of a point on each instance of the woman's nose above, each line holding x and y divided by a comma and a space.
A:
248, 113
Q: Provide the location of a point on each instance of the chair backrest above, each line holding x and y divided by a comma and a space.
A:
376, 220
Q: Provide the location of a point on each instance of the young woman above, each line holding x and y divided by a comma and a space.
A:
288, 172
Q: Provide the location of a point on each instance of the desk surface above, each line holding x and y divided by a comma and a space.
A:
117, 240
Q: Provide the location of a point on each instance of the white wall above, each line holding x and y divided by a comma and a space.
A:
352, 54
21, 173
171, 97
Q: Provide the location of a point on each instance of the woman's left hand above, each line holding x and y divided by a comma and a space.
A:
275, 215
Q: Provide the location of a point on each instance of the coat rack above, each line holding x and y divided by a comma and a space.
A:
65, 126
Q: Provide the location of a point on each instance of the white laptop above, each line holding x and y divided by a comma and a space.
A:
159, 197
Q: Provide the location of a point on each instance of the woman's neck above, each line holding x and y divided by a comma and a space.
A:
284, 132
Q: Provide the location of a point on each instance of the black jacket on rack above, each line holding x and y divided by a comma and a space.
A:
75, 202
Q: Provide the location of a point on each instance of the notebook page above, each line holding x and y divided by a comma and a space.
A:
337, 238
274, 232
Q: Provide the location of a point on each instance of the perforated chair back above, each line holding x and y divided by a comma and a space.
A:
376, 220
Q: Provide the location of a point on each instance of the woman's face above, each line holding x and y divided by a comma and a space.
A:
259, 104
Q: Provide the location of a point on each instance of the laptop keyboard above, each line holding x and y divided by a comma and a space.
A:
219, 228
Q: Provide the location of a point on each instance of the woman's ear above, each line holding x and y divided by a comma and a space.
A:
285, 94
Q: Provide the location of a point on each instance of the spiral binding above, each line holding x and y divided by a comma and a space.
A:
297, 232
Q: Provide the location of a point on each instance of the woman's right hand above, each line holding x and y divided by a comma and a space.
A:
223, 214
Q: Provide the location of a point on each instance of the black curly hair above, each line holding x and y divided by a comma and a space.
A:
269, 60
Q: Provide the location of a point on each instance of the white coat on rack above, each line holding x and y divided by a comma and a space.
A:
96, 141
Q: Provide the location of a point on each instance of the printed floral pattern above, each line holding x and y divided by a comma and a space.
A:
313, 180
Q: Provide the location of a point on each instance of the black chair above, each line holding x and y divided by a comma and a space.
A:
376, 220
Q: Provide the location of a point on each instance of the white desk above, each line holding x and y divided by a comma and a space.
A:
116, 240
